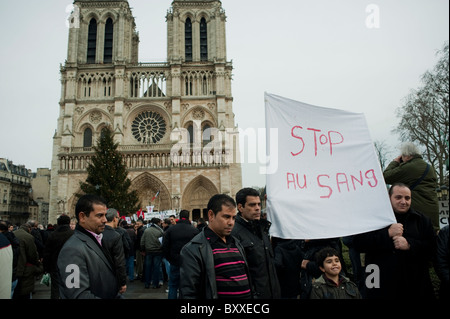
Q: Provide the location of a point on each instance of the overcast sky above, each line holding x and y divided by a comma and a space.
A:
329, 53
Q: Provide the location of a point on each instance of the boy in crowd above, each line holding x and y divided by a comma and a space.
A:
332, 285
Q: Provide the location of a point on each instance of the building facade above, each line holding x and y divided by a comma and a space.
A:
40, 194
173, 120
15, 190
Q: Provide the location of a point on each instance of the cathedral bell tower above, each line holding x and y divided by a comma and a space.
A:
151, 106
102, 32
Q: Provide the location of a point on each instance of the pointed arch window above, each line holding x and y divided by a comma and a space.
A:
203, 40
190, 130
109, 34
87, 138
188, 40
92, 41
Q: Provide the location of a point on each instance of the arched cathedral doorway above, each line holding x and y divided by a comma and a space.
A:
196, 196
147, 186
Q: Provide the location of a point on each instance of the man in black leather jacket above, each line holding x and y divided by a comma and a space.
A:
253, 233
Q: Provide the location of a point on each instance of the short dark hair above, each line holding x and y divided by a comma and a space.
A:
4, 226
63, 220
391, 189
155, 220
184, 214
241, 196
86, 204
322, 254
217, 201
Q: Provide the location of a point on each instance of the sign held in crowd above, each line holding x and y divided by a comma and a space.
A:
328, 181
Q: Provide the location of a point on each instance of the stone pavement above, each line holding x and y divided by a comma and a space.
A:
135, 290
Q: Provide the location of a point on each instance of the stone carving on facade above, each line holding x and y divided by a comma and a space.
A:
198, 114
168, 106
95, 117
79, 110
67, 131
62, 206
128, 106
176, 202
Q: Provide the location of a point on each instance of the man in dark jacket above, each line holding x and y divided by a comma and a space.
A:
53, 246
140, 254
399, 255
288, 259
174, 239
213, 263
85, 267
113, 243
253, 233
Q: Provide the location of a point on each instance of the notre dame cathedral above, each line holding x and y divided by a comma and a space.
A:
173, 120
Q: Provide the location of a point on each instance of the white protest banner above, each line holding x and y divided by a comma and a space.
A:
158, 214
328, 181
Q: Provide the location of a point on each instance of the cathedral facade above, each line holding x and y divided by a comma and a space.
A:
173, 120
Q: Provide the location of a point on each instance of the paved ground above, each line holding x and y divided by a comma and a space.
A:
135, 290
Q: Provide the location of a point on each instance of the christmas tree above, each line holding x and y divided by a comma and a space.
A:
108, 176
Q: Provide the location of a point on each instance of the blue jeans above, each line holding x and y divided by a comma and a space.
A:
167, 266
130, 267
174, 281
152, 268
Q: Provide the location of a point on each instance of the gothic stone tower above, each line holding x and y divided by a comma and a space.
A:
173, 120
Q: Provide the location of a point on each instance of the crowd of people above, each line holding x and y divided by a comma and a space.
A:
231, 256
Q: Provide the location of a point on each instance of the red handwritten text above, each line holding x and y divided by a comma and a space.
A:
331, 138
328, 184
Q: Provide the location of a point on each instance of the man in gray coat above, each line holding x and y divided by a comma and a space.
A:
85, 266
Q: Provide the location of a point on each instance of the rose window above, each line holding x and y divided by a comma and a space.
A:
148, 127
